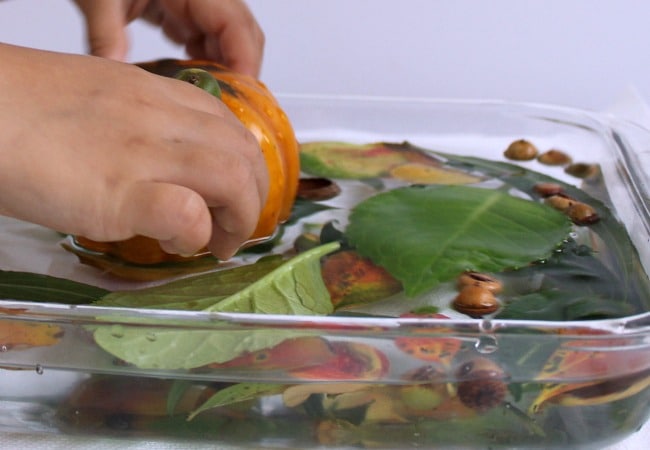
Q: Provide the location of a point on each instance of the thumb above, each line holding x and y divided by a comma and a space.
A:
106, 28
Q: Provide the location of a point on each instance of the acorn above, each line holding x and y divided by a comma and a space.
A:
482, 384
317, 189
582, 170
554, 157
582, 214
560, 202
475, 301
472, 278
548, 189
521, 150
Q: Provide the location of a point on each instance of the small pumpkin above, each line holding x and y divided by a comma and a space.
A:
255, 106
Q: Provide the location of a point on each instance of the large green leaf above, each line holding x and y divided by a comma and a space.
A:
197, 292
296, 287
170, 348
426, 235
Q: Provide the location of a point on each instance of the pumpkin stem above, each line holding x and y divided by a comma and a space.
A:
200, 78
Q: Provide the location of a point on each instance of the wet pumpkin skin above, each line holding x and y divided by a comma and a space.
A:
254, 105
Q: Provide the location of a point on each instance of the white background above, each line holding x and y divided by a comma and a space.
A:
579, 53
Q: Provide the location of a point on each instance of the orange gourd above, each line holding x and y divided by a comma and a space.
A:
255, 106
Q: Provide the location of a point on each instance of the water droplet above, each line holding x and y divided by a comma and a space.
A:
485, 325
151, 337
486, 344
39, 369
117, 331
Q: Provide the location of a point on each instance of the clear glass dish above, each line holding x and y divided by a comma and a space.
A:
335, 381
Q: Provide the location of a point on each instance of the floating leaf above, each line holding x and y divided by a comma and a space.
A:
344, 160
196, 292
425, 174
296, 287
40, 288
425, 235
352, 279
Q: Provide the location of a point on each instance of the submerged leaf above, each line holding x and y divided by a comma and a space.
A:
573, 284
238, 393
21, 334
296, 287
171, 348
427, 235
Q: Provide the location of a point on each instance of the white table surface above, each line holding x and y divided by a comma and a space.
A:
637, 441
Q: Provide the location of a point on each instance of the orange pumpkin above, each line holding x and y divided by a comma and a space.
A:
259, 111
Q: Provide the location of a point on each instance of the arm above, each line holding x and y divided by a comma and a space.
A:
106, 150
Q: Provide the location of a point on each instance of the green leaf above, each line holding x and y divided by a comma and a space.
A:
238, 393
351, 161
171, 348
427, 235
571, 285
35, 287
194, 293
296, 287
176, 392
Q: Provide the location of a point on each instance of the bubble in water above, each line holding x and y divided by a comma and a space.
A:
486, 344
486, 325
39, 369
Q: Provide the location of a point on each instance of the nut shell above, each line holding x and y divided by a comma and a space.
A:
482, 384
554, 157
471, 278
548, 189
582, 170
521, 150
560, 202
582, 214
475, 301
